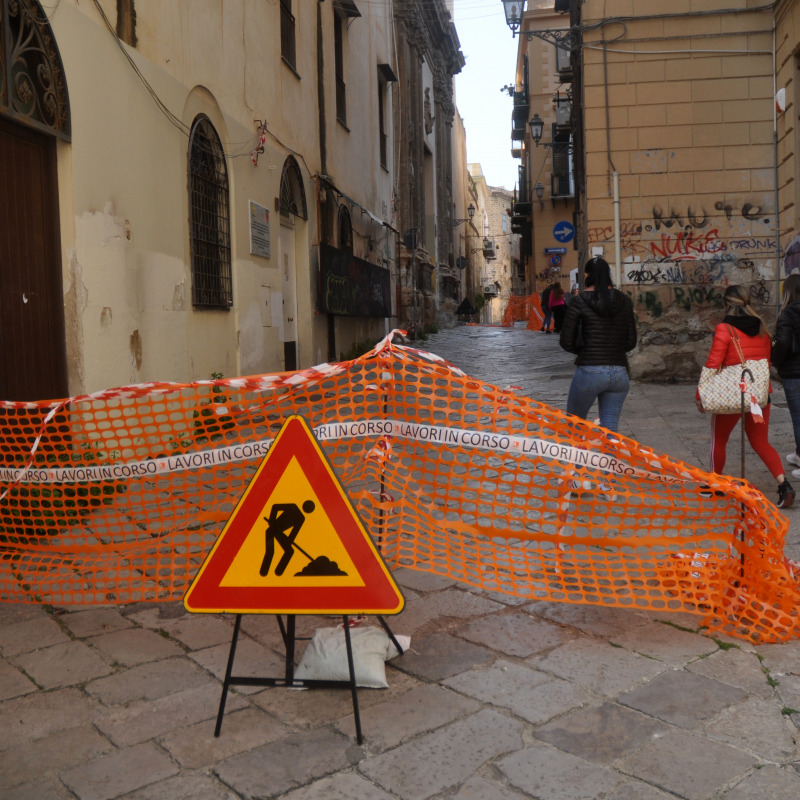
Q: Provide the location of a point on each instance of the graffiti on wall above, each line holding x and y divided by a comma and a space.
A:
686, 257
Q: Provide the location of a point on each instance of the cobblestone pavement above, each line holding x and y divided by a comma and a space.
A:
499, 698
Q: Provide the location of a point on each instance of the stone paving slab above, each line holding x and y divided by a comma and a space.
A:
25, 764
515, 634
185, 786
277, 767
623, 732
130, 647
690, 767
444, 758
121, 771
441, 655
29, 635
545, 773
35, 716
148, 681
196, 746
64, 665
13, 683
682, 698
535, 697
775, 783
94, 621
146, 719
417, 711
598, 666
759, 727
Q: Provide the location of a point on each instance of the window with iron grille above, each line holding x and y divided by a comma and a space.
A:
209, 219
345, 226
382, 136
338, 51
288, 47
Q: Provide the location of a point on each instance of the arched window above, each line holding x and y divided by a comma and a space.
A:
209, 218
345, 226
32, 82
293, 196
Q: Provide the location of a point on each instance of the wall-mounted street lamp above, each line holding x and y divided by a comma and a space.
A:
470, 211
568, 40
537, 129
539, 190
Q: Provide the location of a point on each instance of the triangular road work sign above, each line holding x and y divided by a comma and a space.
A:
294, 544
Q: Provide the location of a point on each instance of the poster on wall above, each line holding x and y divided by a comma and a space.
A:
352, 287
259, 230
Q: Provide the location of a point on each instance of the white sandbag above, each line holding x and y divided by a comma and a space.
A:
325, 657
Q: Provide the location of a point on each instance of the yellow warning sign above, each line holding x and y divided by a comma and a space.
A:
284, 562
294, 543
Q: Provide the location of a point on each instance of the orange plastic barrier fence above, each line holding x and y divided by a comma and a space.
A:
117, 497
521, 308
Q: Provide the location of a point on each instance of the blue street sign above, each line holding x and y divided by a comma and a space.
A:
564, 231
555, 251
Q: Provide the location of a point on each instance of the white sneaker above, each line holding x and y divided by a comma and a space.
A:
793, 459
796, 473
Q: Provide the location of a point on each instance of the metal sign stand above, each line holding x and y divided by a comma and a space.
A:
289, 638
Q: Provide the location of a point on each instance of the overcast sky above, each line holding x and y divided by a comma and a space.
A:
490, 53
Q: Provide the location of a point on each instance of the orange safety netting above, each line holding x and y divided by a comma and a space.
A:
124, 491
520, 308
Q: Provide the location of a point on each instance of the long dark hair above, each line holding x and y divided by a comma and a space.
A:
598, 274
791, 291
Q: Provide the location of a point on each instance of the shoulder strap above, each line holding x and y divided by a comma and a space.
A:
736, 343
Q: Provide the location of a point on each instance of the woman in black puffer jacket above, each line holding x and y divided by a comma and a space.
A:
786, 358
600, 328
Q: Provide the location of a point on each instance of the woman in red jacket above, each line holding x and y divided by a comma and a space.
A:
742, 321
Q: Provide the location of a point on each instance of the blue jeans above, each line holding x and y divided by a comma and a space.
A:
609, 385
791, 388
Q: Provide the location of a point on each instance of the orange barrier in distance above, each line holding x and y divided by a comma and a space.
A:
520, 308
116, 497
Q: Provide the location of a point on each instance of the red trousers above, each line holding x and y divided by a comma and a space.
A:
722, 426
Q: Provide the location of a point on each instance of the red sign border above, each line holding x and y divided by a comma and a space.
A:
379, 595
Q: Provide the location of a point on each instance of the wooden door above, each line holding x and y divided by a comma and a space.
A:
289, 289
32, 339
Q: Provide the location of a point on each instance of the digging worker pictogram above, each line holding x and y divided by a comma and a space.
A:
283, 526
284, 518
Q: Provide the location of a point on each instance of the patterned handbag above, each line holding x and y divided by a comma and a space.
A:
721, 390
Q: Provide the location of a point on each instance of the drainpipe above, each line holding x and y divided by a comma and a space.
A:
615, 175
617, 243
778, 269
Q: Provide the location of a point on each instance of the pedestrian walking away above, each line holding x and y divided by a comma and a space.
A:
786, 359
558, 306
600, 328
546, 310
742, 323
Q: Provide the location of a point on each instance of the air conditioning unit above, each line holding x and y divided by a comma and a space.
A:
563, 60
563, 112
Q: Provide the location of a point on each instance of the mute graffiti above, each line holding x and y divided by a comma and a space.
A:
691, 218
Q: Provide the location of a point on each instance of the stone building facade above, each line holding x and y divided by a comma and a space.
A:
428, 56
679, 106
218, 188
